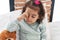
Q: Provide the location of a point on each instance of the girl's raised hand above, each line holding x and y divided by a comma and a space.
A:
26, 13
23, 15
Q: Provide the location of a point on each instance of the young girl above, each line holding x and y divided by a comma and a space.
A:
29, 25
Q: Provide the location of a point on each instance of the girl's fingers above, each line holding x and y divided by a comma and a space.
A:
26, 12
27, 9
26, 15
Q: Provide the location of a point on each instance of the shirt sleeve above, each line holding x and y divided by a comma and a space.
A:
12, 26
43, 32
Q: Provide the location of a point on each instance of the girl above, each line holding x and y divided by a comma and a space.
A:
29, 25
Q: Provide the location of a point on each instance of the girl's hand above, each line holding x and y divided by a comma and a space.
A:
24, 15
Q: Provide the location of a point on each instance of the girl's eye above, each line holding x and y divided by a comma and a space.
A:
33, 16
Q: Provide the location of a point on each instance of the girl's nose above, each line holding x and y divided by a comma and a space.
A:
29, 17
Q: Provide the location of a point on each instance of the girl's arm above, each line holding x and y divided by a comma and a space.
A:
13, 26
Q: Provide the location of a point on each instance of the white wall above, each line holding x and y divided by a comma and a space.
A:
56, 14
4, 6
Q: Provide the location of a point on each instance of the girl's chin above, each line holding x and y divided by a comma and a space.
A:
29, 22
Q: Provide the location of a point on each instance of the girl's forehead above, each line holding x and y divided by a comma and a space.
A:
33, 10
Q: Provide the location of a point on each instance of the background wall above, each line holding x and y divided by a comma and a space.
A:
4, 6
56, 14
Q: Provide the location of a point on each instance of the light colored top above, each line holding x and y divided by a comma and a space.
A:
26, 31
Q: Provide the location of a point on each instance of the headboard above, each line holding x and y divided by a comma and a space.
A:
49, 6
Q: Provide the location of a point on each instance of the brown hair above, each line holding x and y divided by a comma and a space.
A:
32, 5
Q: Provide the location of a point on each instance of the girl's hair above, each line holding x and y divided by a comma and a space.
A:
31, 4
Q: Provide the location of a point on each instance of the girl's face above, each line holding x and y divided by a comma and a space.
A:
32, 16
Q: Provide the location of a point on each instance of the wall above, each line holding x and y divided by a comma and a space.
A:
4, 6
56, 14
